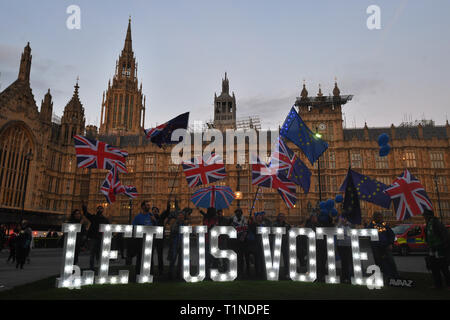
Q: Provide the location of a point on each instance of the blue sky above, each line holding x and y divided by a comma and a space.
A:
267, 48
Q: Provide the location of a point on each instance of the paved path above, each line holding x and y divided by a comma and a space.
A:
47, 262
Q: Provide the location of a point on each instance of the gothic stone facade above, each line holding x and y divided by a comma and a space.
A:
39, 179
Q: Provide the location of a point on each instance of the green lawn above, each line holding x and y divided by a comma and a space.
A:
236, 290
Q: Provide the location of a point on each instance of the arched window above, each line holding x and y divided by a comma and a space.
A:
16, 150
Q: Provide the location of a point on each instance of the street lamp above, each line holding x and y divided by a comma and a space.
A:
28, 158
435, 178
130, 206
238, 193
319, 136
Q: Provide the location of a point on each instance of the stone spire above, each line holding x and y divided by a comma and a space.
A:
46, 108
320, 94
73, 120
123, 106
128, 43
225, 85
25, 64
304, 93
336, 91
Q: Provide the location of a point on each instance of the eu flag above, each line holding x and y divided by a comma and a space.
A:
296, 130
351, 209
368, 189
163, 133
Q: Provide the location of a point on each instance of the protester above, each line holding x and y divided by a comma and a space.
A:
11, 243
437, 238
144, 218
75, 217
240, 243
94, 235
210, 220
23, 242
323, 221
382, 249
255, 247
223, 239
159, 243
281, 222
344, 249
175, 245
302, 241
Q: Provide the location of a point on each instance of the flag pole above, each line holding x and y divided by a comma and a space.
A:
173, 183
254, 199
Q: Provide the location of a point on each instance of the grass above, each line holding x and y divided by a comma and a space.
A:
236, 290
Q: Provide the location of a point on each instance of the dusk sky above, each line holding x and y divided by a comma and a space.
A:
267, 48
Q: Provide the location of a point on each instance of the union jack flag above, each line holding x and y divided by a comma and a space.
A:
98, 154
162, 134
130, 191
290, 166
266, 176
204, 170
408, 195
112, 185
149, 133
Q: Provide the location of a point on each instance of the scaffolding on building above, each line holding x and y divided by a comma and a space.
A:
250, 122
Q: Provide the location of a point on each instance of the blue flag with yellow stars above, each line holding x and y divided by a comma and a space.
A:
368, 189
351, 209
296, 130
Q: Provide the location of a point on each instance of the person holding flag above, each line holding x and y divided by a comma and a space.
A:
93, 234
144, 218
437, 238
382, 249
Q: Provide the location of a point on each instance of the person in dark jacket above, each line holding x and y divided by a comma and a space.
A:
159, 243
175, 245
437, 238
324, 220
23, 242
210, 220
254, 239
281, 222
239, 244
382, 249
12, 245
75, 217
93, 234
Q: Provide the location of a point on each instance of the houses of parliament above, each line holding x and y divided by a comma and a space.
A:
40, 181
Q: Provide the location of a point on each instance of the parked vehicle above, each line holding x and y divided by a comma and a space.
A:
409, 238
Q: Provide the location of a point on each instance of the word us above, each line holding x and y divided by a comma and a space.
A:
272, 260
